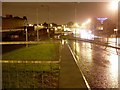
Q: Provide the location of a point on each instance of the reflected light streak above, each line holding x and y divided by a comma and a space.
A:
88, 52
114, 64
113, 69
64, 41
112, 41
76, 47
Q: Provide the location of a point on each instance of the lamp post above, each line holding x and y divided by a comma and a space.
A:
48, 9
37, 25
74, 25
26, 31
48, 21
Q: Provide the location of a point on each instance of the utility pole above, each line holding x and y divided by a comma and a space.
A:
25, 28
75, 26
37, 25
48, 21
26, 35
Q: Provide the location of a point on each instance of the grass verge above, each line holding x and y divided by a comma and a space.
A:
32, 75
42, 51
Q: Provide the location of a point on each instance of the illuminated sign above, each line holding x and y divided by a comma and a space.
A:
102, 19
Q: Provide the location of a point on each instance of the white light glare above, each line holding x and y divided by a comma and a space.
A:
30, 25
114, 4
86, 34
76, 25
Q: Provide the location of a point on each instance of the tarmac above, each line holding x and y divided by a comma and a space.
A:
70, 75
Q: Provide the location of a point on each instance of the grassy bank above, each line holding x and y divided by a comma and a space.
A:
32, 75
43, 51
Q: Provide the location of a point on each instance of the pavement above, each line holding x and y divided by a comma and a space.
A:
70, 75
98, 42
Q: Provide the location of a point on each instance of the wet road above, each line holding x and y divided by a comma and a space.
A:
99, 65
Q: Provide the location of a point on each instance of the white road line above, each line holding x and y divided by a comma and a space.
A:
79, 68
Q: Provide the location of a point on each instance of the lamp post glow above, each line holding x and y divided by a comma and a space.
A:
37, 24
114, 4
86, 23
76, 25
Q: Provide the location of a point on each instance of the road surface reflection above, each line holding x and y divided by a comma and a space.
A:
99, 65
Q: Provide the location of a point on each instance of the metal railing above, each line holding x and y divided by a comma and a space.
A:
30, 73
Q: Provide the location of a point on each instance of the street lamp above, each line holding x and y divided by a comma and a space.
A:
48, 9
26, 31
37, 25
86, 24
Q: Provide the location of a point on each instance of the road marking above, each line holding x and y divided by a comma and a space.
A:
88, 86
40, 62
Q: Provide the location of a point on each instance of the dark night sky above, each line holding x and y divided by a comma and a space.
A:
59, 12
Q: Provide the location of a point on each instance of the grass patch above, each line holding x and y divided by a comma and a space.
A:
30, 75
43, 51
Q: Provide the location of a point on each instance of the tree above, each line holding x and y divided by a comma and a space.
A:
24, 17
70, 24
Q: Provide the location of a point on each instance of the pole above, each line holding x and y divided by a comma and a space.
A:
26, 35
26, 31
48, 22
75, 27
37, 24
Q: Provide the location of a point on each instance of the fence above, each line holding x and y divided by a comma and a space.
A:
30, 73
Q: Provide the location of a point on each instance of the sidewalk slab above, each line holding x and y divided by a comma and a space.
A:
70, 76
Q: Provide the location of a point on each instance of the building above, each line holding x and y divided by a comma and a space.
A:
103, 27
12, 27
108, 27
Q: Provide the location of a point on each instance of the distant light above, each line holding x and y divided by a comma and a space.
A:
55, 28
59, 27
115, 30
101, 28
88, 21
51, 25
76, 25
30, 24
67, 29
83, 24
